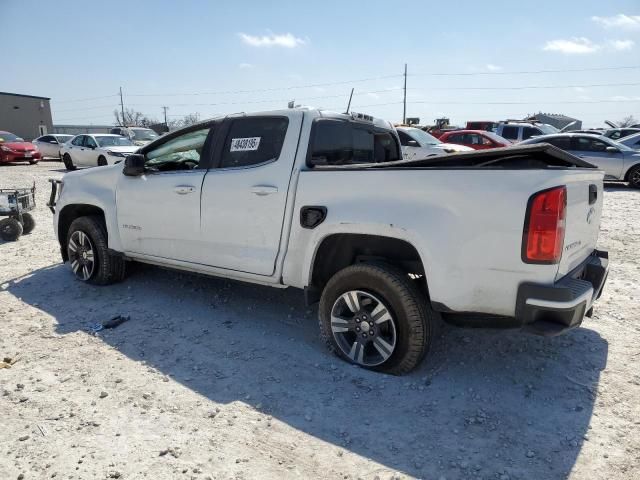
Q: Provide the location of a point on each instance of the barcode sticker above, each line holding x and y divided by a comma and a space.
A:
245, 144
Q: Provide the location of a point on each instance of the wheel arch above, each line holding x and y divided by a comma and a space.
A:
66, 217
628, 172
339, 250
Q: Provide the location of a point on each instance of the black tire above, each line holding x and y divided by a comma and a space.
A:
68, 163
412, 316
102, 161
105, 268
28, 223
10, 229
33, 162
634, 176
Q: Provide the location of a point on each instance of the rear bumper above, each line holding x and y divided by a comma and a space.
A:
553, 309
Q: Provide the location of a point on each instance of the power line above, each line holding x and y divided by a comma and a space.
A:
529, 72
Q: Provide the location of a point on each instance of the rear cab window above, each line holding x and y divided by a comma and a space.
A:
341, 142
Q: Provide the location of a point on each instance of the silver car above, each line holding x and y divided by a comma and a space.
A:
632, 141
49, 145
619, 162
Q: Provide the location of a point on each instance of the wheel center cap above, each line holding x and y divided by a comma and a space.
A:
364, 326
84, 255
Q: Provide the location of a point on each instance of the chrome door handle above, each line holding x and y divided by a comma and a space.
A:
262, 190
184, 189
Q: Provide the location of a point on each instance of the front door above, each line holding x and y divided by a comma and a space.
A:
244, 199
159, 211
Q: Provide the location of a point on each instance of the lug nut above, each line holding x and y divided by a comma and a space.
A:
364, 335
357, 329
371, 333
364, 317
371, 324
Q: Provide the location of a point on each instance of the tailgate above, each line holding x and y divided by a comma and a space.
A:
584, 207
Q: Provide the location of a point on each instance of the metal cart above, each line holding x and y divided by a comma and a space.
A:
15, 203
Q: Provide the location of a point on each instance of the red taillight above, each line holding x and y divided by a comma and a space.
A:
544, 226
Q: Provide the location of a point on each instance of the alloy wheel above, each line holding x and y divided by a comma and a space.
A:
81, 255
363, 327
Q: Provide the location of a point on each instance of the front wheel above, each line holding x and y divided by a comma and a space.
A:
89, 255
102, 161
33, 162
373, 315
68, 163
634, 177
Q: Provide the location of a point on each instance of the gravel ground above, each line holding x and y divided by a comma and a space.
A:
217, 379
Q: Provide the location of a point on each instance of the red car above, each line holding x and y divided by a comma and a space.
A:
15, 149
476, 139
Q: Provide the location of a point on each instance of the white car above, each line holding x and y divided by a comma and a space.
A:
418, 144
50, 145
95, 150
138, 135
324, 202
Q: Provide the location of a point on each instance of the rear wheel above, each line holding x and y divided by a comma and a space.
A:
33, 162
89, 255
634, 177
102, 161
10, 229
28, 223
68, 163
373, 315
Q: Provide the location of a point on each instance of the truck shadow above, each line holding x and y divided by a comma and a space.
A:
485, 403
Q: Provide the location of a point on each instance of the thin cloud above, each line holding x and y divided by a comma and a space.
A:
493, 68
622, 45
245, 65
574, 46
619, 21
285, 40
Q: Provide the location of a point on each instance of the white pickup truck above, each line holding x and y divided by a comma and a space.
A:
324, 202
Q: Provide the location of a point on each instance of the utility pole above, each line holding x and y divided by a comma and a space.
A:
165, 117
404, 101
349, 104
124, 124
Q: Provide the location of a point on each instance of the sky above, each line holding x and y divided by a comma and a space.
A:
465, 59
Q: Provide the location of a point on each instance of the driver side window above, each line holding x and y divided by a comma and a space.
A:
180, 153
90, 142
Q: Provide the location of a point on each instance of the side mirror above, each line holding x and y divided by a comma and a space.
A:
412, 143
612, 150
133, 165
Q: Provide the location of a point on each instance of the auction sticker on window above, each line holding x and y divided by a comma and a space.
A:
245, 144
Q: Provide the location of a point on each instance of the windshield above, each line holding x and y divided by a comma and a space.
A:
114, 141
496, 138
9, 137
143, 134
547, 129
422, 137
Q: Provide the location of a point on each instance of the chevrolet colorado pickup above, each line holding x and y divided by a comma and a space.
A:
324, 202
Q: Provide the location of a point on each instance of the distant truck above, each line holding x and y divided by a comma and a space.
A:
324, 202
138, 135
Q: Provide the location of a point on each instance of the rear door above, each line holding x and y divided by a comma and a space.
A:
76, 150
594, 150
244, 196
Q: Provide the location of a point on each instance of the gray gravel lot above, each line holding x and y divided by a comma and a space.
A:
217, 379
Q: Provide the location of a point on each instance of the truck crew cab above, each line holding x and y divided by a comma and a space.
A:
324, 202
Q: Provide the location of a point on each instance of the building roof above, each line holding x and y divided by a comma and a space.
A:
23, 95
557, 116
